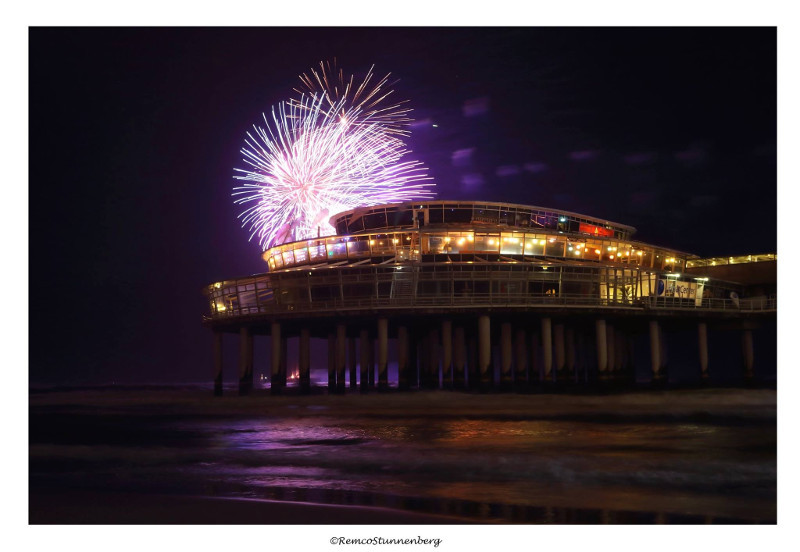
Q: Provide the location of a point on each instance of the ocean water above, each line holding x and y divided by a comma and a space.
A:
660, 457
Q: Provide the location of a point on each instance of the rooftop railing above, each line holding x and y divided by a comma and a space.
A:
739, 259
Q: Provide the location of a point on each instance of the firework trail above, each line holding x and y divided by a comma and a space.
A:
371, 98
332, 149
311, 161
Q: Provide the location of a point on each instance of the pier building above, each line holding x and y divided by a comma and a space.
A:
483, 295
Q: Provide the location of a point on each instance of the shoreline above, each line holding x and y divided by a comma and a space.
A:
92, 507
739, 405
103, 508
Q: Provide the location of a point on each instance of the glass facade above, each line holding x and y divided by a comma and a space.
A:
468, 283
441, 212
462, 253
514, 244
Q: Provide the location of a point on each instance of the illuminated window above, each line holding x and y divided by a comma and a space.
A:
487, 242
301, 255
575, 249
460, 242
437, 243
337, 248
358, 247
534, 244
555, 247
316, 251
512, 244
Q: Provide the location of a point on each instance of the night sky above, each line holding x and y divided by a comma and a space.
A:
134, 135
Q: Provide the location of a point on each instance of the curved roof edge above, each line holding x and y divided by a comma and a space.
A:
367, 209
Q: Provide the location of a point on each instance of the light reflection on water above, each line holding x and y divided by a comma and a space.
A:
519, 468
687, 469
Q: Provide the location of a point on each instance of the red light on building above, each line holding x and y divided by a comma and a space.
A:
595, 230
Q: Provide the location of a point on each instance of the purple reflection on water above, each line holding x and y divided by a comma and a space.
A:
518, 462
516, 459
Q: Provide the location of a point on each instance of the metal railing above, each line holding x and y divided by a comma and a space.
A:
478, 300
759, 304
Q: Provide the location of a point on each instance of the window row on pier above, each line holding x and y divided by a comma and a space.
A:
416, 245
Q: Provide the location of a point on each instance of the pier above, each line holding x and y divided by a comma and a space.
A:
486, 296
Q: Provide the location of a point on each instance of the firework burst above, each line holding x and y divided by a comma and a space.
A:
310, 162
321, 154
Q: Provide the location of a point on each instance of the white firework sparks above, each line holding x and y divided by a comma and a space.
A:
317, 158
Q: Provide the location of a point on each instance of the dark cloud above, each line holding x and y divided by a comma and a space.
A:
472, 181
507, 170
475, 106
535, 167
462, 157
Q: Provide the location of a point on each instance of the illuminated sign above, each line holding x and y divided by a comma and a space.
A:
594, 230
684, 290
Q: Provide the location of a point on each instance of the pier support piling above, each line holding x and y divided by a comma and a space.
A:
630, 367
424, 359
363, 343
275, 380
506, 357
284, 361
560, 350
447, 354
520, 359
459, 357
402, 358
570, 351
547, 346
485, 352
611, 352
620, 354
702, 346
383, 354
331, 363
371, 368
341, 356
217, 359
413, 358
655, 352
472, 360
602, 349
352, 362
748, 355
534, 366
432, 374
304, 361
245, 361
